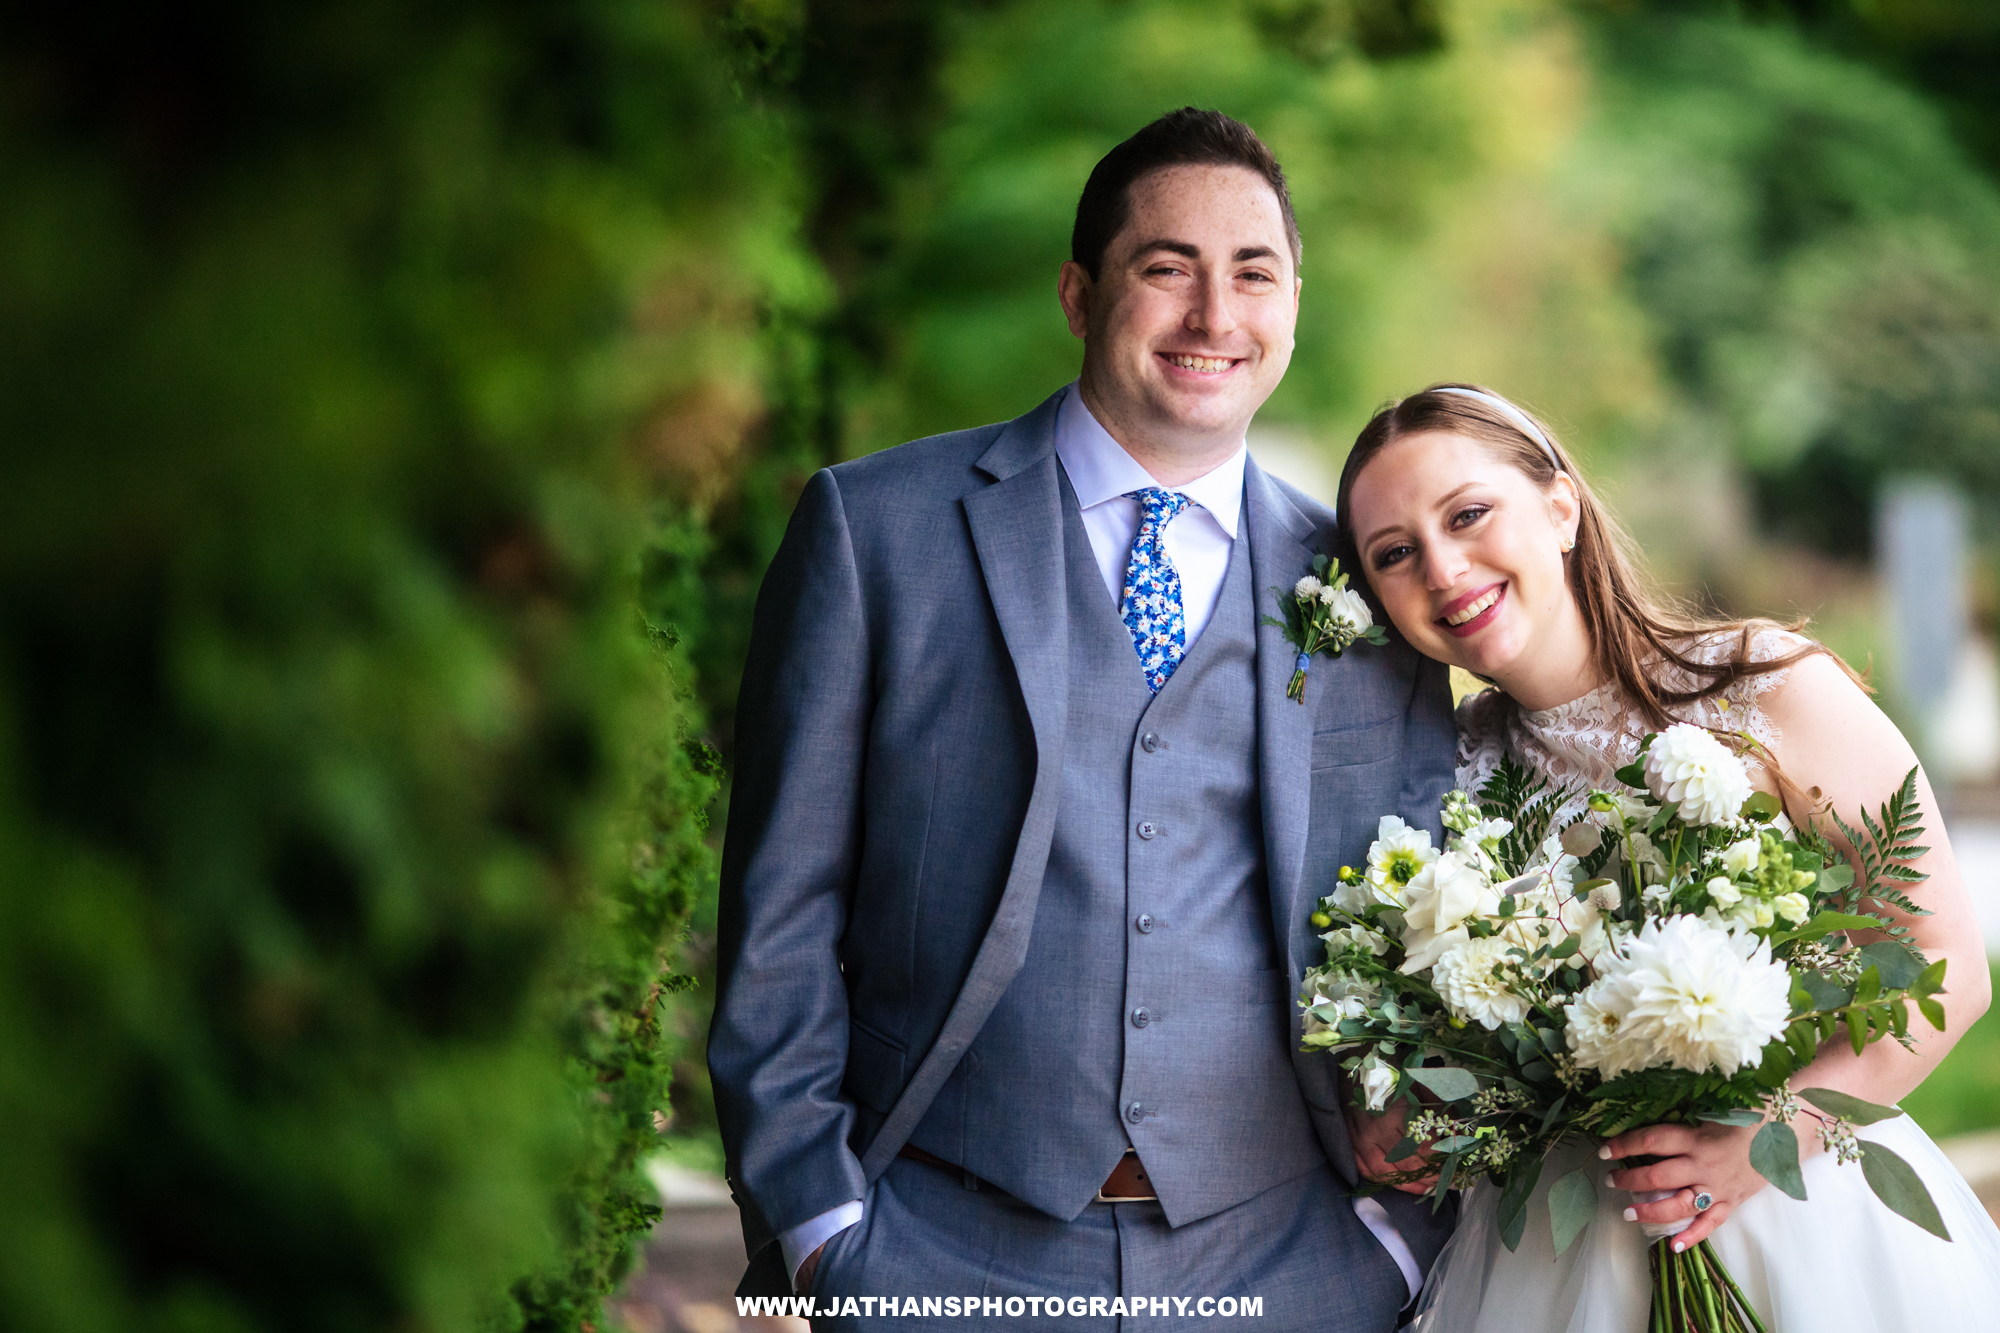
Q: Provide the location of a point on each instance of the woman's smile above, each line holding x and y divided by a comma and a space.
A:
1467, 615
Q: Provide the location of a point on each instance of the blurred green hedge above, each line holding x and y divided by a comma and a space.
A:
351, 356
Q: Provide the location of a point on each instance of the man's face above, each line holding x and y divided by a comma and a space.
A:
1188, 325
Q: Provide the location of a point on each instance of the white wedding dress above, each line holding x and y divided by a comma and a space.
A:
1839, 1262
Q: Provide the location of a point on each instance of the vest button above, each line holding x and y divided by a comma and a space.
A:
1148, 829
1135, 1112
1150, 742
1145, 923
1141, 1016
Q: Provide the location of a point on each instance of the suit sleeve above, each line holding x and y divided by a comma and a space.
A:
1430, 745
777, 1048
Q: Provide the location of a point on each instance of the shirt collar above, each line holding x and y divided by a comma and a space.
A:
1099, 468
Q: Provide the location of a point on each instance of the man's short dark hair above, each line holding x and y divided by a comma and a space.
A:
1185, 138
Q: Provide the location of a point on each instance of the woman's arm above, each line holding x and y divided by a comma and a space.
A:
1833, 737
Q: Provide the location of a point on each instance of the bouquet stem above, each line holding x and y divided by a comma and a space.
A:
1693, 1293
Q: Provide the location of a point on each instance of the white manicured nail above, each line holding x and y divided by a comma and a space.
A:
1632, 1215
1604, 1153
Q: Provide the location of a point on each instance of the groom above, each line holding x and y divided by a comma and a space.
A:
1025, 831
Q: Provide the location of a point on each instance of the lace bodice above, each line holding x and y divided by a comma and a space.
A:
1582, 744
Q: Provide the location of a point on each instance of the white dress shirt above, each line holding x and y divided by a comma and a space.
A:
1198, 541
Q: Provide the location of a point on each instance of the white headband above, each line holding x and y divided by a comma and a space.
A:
1513, 414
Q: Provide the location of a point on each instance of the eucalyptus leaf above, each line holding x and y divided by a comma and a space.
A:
1897, 1185
1405, 1147
1447, 1081
1513, 1210
1825, 991
1762, 807
1897, 966
1774, 1155
1848, 1107
1572, 1203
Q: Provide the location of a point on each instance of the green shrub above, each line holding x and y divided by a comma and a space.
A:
347, 816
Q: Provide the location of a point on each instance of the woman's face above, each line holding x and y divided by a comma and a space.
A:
1465, 552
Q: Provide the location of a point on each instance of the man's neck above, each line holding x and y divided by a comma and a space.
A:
1171, 460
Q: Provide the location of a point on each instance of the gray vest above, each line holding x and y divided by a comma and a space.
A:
1152, 1011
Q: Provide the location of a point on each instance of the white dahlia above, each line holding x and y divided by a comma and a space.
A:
1696, 995
1595, 1027
1688, 765
1469, 979
1442, 896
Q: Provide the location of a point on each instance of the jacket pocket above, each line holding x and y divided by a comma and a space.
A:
1357, 745
874, 1066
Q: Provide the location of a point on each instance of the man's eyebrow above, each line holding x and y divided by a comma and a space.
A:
1186, 249
1249, 252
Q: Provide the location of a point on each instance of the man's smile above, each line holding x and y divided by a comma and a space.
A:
1200, 365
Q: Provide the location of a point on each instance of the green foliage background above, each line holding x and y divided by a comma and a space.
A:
398, 408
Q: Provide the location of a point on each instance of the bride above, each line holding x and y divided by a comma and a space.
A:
1486, 548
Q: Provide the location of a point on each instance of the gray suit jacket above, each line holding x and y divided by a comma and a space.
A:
890, 818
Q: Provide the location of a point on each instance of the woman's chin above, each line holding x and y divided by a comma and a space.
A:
1487, 653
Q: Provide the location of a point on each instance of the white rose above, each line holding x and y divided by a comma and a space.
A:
1348, 607
1688, 765
1442, 896
1723, 893
1740, 858
1469, 981
1378, 1080
1307, 588
1793, 907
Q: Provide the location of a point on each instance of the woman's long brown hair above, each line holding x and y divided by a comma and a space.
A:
1633, 629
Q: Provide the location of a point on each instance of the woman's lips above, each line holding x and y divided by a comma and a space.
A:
1474, 611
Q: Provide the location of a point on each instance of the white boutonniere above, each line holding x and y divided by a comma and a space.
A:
1322, 615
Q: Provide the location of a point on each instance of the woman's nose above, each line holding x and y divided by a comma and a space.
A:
1444, 566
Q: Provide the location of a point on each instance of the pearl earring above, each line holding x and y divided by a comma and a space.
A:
1569, 544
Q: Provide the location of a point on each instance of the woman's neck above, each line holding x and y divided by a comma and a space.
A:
1559, 665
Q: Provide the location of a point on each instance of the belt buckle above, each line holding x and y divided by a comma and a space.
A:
1102, 1197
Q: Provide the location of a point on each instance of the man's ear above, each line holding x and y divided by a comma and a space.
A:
1073, 289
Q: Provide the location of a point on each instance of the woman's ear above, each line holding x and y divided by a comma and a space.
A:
1565, 507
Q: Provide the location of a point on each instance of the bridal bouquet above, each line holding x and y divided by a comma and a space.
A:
1674, 953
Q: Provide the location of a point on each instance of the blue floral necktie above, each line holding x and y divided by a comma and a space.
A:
1152, 601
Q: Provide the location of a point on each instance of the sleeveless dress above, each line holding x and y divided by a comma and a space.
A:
1839, 1261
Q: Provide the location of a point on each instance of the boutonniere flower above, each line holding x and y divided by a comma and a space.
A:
1322, 616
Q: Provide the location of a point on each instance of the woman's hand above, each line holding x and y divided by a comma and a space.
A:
1711, 1158
1375, 1137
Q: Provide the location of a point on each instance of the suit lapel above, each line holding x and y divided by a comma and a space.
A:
1017, 529
1282, 544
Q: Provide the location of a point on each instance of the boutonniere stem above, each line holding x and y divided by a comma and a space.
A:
1322, 617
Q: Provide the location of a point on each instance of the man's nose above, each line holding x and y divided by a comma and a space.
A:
1213, 310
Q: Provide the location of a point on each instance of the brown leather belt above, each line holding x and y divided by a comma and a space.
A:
1127, 1182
